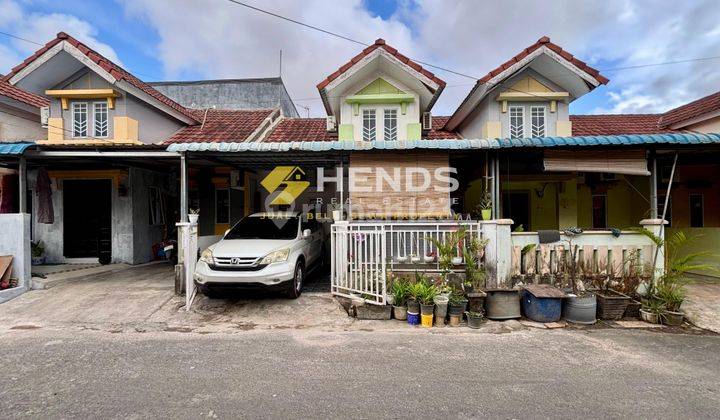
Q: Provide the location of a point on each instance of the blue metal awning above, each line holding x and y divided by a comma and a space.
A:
14, 148
452, 144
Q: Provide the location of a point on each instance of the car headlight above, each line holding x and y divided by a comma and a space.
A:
207, 257
276, 256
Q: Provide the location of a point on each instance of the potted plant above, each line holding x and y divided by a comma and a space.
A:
400, 289
651, 311
475, 275
430, 257
485, 205
475, 319
449, 250
193, 215
37, 250
456, 307
671, 292
426, 298
415, 259
441, 308
581, 305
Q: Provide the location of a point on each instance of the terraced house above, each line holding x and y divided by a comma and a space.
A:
106, 164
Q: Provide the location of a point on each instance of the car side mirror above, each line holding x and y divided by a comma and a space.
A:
307, 233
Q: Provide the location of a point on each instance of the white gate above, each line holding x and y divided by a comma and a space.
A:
358, 261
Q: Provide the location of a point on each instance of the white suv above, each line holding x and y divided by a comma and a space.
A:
262, 251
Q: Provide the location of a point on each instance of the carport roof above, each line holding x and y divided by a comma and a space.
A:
14, 148
680, 139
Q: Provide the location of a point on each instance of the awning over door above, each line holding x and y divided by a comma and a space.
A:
628, 162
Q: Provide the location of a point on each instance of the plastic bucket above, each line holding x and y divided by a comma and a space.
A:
413, 318
440, 313
455, 320
427, 320
400, 312
580, 310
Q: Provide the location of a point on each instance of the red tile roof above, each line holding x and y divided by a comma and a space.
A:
612, 124
314, 129
545, 41
691, 110
438, 131
116, 71
12, 92
221, 125
301, 129
380, 43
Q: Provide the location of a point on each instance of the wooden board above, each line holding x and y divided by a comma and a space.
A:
5, 267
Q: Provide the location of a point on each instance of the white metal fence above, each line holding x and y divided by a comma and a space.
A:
362, 253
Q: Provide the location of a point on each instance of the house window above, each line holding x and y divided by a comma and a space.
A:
537, 121
156, 207
697, 211
517, 122
369, 125
100, 119
599, 211
390, 130
222, 206
80, 119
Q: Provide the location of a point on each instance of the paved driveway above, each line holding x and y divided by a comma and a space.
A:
141, 298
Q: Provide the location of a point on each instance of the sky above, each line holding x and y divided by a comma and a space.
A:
215, 39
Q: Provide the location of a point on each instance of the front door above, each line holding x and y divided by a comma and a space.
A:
516, 206
87, 219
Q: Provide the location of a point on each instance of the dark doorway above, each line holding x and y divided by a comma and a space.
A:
516, 206
87, 219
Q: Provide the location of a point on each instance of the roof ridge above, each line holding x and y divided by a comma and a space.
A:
687, 112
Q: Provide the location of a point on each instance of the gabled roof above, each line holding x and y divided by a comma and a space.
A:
230, 94
613, 124
28, 98
393, 52
545, 41
493, 78
380, 43
223, 125
694, 109
113, 69
438, 131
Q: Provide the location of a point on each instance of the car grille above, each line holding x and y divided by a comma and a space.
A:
237, 264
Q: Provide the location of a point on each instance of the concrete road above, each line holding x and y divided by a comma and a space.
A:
74, 373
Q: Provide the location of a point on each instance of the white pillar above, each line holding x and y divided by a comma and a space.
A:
653, 189
657, 227
183, 189
498, 251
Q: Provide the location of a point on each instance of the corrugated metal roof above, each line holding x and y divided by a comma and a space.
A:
454, 144
14, 148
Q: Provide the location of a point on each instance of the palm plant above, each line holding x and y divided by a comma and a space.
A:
400, 289
448, 248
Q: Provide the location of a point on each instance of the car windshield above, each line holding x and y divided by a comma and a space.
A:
260, 227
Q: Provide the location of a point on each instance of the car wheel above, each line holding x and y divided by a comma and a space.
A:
296, 284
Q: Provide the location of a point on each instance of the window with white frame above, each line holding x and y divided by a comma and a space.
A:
100, 119
369, 123
537, 121
390, 124
517, 122
80, 119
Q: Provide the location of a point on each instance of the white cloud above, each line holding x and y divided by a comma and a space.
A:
41, 28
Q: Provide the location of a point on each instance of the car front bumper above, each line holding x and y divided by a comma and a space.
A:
272, 276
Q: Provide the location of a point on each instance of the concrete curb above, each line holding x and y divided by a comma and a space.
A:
9, 294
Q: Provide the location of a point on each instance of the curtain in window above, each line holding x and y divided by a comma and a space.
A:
390, 125
80, 119
100, 117
517, 122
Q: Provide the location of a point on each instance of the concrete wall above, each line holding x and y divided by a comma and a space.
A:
17, 124
153, 126
15, 241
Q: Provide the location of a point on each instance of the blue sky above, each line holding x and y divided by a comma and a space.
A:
196, 39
